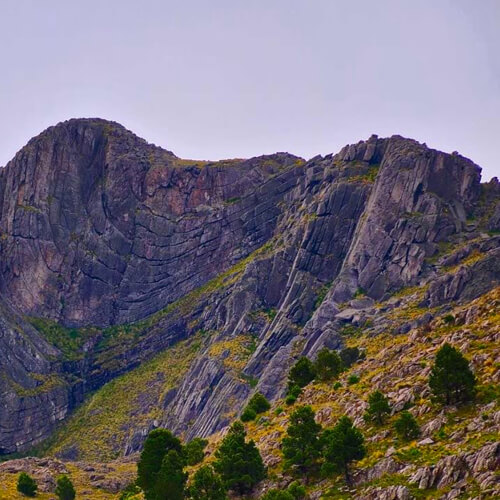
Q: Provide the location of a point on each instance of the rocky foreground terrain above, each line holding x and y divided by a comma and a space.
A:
141, 290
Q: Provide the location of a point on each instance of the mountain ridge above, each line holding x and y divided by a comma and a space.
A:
114, 250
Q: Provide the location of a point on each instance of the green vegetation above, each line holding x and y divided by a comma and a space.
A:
170, 479
451, 380
378, 408
26, 485
207, 485
301, 373
406, 426
194, 451
65, 489
257, 404
156, 447
342, 445
328, 365
349, 356
128, 402
301, 446
239, 462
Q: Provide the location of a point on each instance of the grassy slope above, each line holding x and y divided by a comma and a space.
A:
101, 426
395, 364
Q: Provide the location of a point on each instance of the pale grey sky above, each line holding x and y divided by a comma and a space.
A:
236, 78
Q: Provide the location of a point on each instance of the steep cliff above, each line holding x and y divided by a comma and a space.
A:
115, 250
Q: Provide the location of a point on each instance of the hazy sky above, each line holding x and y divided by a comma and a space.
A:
236, 78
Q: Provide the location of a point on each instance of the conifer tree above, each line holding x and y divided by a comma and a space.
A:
207, 485
26, 485
301, 446
328, 365
406, 426
158, 443
65, 489
378, 408
239, 462
171, 478
342, 445
194, 451
451, 378
301, 373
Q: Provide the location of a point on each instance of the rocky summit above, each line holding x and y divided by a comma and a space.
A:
139, 290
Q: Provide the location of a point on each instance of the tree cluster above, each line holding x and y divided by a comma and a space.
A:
328, 365
307, 447
161, 469
257, 404
27, 486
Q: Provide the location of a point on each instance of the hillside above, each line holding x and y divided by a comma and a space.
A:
140, 290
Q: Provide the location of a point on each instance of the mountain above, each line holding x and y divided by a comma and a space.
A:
139, 289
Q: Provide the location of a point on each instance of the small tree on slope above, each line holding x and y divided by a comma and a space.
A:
378, 408
301, 446
207, 485
239, 463
342, 445
451, 378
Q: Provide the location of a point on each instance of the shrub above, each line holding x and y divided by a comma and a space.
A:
378, 408
65, 489
194, 451
349, 356
451, 379
277, 495
353, 379
294, 391
278, 410
26, 485
257, 404
328, 365
297, 490
406, 426
301, 373
248, 414
337, 385
290, 400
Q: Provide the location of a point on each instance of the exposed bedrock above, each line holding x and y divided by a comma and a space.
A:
100, 228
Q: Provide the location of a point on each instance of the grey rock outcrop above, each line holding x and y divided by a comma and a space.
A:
102, 232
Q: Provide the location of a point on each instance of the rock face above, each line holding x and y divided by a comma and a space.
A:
124, 249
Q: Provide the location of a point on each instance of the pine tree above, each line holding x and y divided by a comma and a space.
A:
65, 489
342, 445
406, 426
301, 373
156, 446
378, 408
239, 463
26, 485
328, 365
171, 479
301, 446
451, 378
207, 485
194, 451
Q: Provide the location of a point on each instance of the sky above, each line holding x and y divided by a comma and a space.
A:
220, 79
